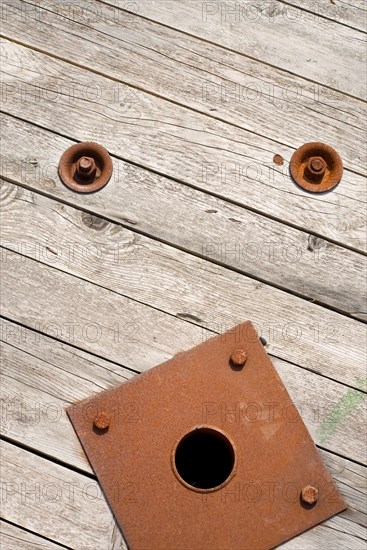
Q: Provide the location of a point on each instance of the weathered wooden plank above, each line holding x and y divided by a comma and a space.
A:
330, 275
298, 331
179, 143
211, 228
41, 376
15, 538
352, 533
186, 70
322, 536
56, 502
93, 318
351, 478
69, 507
37, 385
352, 13
296, 36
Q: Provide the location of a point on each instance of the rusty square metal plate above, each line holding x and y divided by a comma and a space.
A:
207, 451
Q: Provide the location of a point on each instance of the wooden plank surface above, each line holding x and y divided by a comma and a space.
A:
298, 38
179, 143
99, 288
211, 228
65, 299
200, 75
58, 503
352, 13
14, 538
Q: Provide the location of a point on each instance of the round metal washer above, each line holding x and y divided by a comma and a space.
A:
333, 171
68, 167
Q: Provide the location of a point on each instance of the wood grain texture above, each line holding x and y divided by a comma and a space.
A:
298, 38
56, 502
183, 69
41, 376
211, 228
190, 147
322, 536
193, 102
298, 331
352, 13
15, 538
91, 317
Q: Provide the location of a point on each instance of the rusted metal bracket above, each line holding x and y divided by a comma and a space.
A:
85, 167
207, 451
316, 167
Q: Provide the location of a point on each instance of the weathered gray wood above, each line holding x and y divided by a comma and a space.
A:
14, 538
300, 332
296, 36
201, 75
69, 507
56, 502
210, 227
92, 318
351, 478
322, 536
185, 142
179, 143
41, 376
327, 273
352, 13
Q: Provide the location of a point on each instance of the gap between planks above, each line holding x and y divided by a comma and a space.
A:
55, 502
14, 537
352, 14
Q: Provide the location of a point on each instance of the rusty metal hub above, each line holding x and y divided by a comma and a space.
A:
207, 451
316, 167
85, 167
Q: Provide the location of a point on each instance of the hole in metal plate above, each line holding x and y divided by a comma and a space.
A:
204, 459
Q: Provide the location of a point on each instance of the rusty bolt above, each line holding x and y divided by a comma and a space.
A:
85, 168
309, 494
238, 358
318, 164
315, 169
101, 421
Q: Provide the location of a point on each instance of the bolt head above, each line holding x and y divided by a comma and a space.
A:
317, 164
85, 164
85, 168
101, 421
315, 169
309, 494
238, 357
